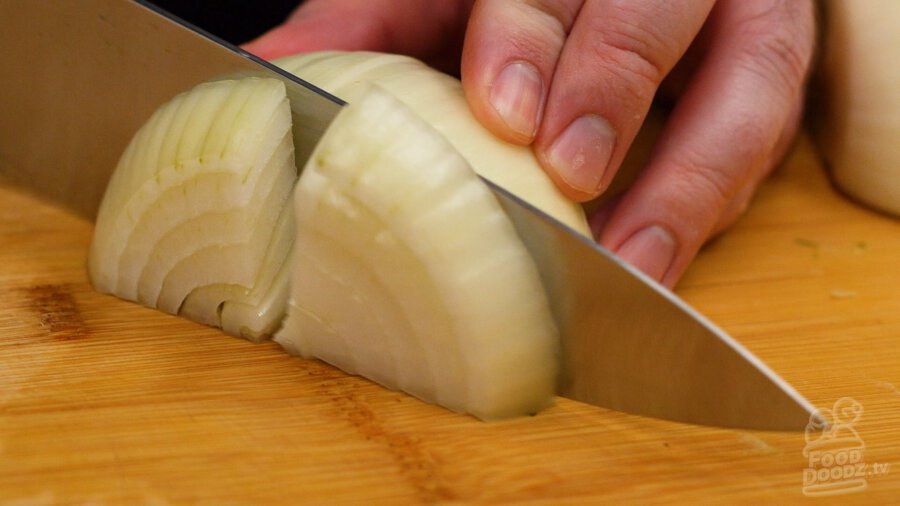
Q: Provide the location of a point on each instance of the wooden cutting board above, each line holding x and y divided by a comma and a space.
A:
105, 402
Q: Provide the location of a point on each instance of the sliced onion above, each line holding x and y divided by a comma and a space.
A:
193, 204
399, 263
438, 99
407, 271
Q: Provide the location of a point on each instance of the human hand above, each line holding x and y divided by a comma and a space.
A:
575, 78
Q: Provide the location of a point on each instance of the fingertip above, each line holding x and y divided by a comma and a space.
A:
578, 159
517, 97
294, 36
270, 45
509, 54
652, 250
507, 98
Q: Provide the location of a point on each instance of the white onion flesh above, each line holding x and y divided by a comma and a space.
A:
391, 258
190, 211
439, 100
407, 271
859, 130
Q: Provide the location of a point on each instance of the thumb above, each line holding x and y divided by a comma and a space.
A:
419, 28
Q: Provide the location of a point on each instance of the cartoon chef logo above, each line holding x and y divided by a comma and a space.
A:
834, 451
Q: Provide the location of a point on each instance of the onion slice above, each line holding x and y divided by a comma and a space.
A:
407, 271
438, 98
193, 219
390, 257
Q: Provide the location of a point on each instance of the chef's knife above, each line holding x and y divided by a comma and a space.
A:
80, 76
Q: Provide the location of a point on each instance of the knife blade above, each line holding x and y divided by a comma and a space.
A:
80, 77
632, 345
83, 75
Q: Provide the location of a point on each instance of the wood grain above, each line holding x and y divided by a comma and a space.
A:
105, 402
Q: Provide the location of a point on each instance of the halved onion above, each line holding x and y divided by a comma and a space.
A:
399, 263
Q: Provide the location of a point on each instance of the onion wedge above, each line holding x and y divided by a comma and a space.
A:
389, 258
438, 98
195, 217
407, 271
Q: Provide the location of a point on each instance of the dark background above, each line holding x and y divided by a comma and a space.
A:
236, 21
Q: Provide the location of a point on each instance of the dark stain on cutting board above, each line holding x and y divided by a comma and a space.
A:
420, 467
57, 311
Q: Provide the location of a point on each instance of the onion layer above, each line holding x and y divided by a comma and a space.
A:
438, 99
407, 271
391, 258
188, 219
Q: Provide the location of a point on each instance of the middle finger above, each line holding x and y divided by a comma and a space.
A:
611, 65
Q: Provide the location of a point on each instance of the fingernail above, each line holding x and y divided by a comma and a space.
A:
651, 250
516, 96
581, 153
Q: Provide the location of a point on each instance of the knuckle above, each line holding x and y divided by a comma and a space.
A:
754, 137
735, 210
540, 28
636, 49
711, 184
626, 54
700, 197
638, 75
560, 13
778, 43
707, 184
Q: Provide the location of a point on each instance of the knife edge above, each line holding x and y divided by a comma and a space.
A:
632, 345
